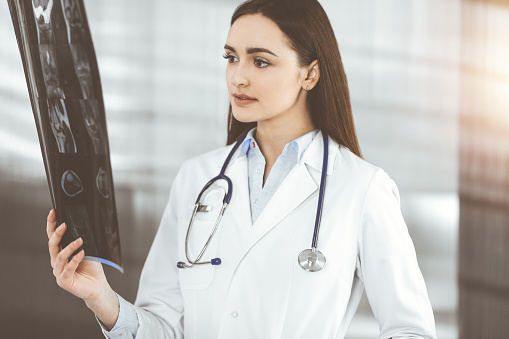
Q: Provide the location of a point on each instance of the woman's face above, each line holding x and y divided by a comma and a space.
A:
263, 76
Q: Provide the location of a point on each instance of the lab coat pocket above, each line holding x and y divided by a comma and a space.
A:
198, 276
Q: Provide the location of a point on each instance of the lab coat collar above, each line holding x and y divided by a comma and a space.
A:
313, 156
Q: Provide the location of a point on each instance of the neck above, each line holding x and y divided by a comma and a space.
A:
273, 136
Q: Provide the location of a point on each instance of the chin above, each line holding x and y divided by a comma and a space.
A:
243, 116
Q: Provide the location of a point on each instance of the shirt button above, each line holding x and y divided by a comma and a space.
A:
235, 314
256, 202
259, 171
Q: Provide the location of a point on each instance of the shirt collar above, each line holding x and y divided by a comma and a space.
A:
249, 142
300, 144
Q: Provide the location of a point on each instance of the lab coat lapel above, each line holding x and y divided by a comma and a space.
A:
296, 188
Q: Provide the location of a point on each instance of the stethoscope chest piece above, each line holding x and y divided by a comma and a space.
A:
311, 261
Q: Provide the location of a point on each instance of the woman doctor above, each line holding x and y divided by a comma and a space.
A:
287, 90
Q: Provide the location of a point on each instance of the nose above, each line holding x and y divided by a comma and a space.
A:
239, 77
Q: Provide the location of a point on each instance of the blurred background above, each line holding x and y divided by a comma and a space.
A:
429, 82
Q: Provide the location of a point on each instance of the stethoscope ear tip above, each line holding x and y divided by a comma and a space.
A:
181, 264
216, 261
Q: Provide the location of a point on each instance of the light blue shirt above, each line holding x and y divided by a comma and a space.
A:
127, 323
259, 196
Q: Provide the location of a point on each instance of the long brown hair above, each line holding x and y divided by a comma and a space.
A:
311, 36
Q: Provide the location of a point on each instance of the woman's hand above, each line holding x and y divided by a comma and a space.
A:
83, 278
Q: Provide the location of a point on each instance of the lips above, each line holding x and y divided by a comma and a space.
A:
243, 99
243, 96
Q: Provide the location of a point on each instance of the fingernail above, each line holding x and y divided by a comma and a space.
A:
77, 241
61, 227
50, 212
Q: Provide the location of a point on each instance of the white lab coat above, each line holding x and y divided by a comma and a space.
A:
260, 291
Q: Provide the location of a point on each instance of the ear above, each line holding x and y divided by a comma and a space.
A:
312, 76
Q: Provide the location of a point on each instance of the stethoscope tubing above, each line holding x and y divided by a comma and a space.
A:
226, 201
216, 225
319, 209
227, 196
230, 155
222, 176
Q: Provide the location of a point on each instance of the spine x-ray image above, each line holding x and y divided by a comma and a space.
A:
65, 91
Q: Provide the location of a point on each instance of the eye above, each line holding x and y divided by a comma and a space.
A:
260, 63
230, 58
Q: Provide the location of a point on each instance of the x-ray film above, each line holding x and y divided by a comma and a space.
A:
65, 91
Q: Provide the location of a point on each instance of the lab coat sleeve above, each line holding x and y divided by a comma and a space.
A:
387, 265
159, 304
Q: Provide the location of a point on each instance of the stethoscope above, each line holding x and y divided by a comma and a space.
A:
311, 259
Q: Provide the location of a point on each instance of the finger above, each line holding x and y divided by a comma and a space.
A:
54, 243
66, 276
51, 223
63, 256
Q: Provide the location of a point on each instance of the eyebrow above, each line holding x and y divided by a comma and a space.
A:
252, 50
